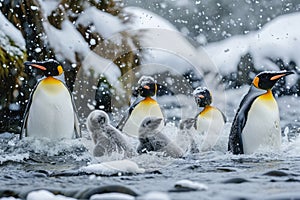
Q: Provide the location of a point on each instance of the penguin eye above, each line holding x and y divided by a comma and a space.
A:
147, 123
101, 120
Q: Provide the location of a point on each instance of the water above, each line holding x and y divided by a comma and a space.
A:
54, 165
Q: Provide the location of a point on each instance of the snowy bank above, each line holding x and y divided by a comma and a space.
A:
278, 39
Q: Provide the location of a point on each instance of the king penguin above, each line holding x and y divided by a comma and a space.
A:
210, 120
50, 111
144, 106
256, 123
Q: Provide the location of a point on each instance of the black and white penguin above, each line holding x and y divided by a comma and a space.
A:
152, 139
107, 139
144, 106
50, 111
256, 123
210, 120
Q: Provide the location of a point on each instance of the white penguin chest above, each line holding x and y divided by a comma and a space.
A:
210, 123
51, 112
145, 108
262, 128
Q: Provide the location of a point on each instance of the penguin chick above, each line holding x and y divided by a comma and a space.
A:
151, 139
107, 138
256, 123
210, 120
186, 136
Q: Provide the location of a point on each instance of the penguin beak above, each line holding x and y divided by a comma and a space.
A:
201, 96
278, 75
32, 64
146, 87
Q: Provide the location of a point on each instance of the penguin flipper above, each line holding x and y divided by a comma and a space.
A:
235, 144
77, 126
24, 126
223, 115
124, 119
195, 124
77, 129
24, 132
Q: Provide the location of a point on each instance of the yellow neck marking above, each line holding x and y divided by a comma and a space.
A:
50, 80
52, 85
206, 110
268, 96
149, 100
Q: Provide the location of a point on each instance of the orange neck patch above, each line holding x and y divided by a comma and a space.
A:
206, 110
267, 96
50, 80
149, 100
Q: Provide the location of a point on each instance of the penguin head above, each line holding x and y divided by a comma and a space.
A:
97, 119
267, 79
202, 96
151, 123
147, 86
50, 67
187, 123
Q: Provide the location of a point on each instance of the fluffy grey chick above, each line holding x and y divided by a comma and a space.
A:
107, 138
151, 139
185, 137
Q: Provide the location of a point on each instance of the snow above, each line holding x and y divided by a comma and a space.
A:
112, 196
71, 42
46, 195
11, 31
190, 184
105, 23
113, 167
163, 44
155, 195
48, 6
66, 41
101, 65
279, 38
226, 54
145, 19
17, 158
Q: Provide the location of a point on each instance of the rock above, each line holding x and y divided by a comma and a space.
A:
86, 194
187, 185
277, 173
235, 180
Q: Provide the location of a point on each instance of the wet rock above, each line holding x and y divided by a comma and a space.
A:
227, 169
8, 193
292, 180
67, 173
112, 196
187, 185
86, 194
277, 173
236, 180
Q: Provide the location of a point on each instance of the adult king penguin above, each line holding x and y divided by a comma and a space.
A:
210, 120
50, 111
256, 123
144, 106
